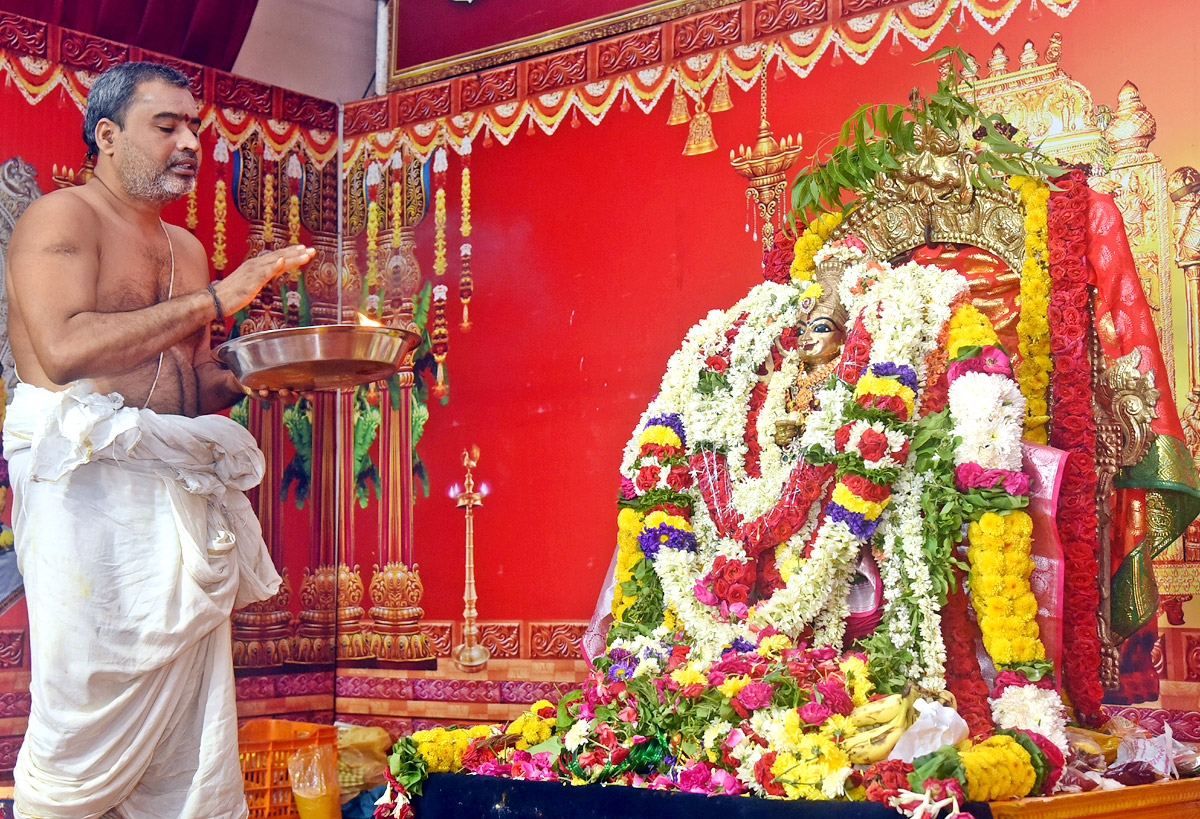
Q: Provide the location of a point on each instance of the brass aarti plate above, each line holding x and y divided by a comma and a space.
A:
321, 358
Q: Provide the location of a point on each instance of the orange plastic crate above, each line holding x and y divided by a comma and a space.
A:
265, 746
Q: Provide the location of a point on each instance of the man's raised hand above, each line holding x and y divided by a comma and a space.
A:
238, 288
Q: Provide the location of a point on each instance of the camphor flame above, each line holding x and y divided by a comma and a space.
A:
366, 321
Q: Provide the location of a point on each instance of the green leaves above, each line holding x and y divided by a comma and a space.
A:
944, 763
711, 381
408, 766
657, 497
874, 138
886, 663
646, 612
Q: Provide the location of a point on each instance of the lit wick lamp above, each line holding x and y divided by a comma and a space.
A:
470, 655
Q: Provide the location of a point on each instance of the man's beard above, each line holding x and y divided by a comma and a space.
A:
159, 185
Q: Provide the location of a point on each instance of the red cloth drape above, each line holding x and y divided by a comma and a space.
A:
208, 32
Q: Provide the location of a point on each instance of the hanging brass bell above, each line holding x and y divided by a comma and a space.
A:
721, 100
679, 108
700, 139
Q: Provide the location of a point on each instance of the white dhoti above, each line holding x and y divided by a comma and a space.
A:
136, 542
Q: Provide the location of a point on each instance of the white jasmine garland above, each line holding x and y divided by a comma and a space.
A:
825, 421
829, 628
911, 613
904, 310
840, 252
988, 411
810, 588
1034, 709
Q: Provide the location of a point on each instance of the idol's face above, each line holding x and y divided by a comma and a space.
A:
157, 153
819, 339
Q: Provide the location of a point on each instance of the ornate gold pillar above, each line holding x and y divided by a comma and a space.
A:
396, 589
262, 631
317, 635
1184, 191
353, 640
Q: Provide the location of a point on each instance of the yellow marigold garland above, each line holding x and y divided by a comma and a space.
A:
869, 384
1000, 569
811, 240
969, 328
998, 768
629, 526
1033, 326
443, 748
533, 729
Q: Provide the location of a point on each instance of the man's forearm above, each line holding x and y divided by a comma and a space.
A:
103, 344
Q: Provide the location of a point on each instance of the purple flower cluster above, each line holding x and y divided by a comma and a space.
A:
742, 645
671, 420
903, 373
857, 522
668, 536
623, 669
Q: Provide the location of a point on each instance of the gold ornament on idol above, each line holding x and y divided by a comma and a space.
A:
470, 655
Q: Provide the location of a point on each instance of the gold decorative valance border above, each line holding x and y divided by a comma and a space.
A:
736, 41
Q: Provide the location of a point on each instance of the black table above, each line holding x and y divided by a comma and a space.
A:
491, 797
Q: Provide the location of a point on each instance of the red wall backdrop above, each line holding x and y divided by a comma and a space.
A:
597, 247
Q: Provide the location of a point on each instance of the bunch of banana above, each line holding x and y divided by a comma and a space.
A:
880, 724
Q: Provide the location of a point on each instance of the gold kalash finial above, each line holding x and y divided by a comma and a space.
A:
765, 167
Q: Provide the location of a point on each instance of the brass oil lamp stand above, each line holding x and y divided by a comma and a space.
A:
470, 655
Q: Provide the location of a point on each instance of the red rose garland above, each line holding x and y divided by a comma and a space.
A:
964, 679
1073, 430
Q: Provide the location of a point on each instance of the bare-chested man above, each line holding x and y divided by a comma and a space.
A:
90, 268
131, 534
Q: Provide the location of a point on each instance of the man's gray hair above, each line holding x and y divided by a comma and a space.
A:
112, 92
